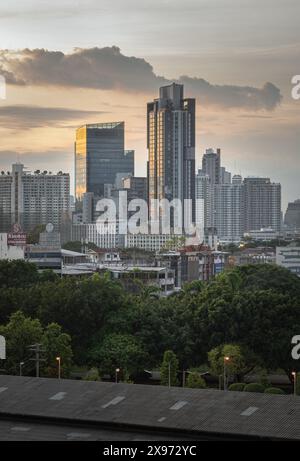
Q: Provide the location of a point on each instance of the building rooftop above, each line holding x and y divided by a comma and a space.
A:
194, 413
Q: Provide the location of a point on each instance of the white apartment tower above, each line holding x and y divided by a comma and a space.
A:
33, 199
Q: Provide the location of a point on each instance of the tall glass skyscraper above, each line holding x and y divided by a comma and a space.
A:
99, 157
171, 145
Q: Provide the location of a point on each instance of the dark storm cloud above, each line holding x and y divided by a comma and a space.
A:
108, 69
100, 68
21, 117
226, 96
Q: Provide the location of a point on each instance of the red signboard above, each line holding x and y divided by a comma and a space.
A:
16, 240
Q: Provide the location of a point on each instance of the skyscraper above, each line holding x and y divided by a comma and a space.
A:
203, 199
229, 210
211, 176
211, 165
171, 146
99, 156
32, 199
292, 215
262, 201
136, 187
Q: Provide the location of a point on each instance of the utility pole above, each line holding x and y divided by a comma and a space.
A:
36, 348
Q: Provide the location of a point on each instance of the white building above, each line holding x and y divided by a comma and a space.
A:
149, 242
8, 251
229, 210
103, 235
204, 200
32, 199
263, 235
289, 257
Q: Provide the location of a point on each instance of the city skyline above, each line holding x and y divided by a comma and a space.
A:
102, 72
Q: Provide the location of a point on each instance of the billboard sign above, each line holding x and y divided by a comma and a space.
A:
16, 237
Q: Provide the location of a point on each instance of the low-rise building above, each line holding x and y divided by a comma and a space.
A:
45, 257
9, 249
195, 262
150, 242
259, 255
289, 257
263, 235
133, 278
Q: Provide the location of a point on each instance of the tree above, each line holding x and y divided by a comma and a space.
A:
48, 275
262, 314
119, 351
17, 274
169, 369
20, 333
57, 344
92, 375
34, 235
77, 246
195, 381
241, 360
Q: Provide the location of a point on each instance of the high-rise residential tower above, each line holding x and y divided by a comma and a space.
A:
33, 199
229, 202
99, 157
211, 165
171, 146
262, 202
292, 215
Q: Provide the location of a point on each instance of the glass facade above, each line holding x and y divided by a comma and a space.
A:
100, 156
171, 146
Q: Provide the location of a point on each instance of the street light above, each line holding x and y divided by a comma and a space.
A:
169, 374
294, 374
226, 360
183, 377
117, 372
59, 367
21, 365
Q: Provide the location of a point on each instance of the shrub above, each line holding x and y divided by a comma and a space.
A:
254, 387
237, 387
274, 390
92, 375
195, 381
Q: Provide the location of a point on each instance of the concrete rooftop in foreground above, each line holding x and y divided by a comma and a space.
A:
30, 408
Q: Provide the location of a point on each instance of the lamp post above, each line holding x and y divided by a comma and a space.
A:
21, 365
117, 372
294, 374
59, 366
183, 377
169, 374
226, 360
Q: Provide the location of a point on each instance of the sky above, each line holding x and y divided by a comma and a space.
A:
67, 63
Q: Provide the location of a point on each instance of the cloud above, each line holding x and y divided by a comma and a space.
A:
21, 117
108, 69
226, 96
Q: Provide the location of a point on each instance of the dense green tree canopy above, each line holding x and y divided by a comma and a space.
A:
255, 308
